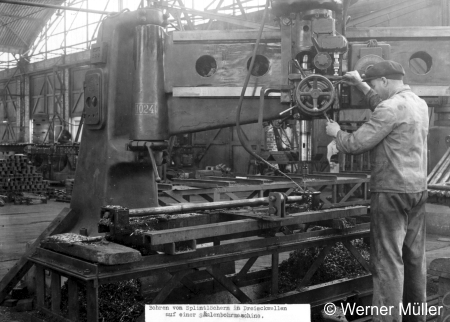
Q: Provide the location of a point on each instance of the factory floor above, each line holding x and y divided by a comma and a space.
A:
20, 224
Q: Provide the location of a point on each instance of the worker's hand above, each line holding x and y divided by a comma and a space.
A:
332, 128
352, 78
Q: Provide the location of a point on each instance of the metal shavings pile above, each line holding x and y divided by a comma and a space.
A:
119, 302
142, 224
295, 208
105, 222
182, 247
339, 263
177, 216
347, 223
115, 207
140, 232
69, 238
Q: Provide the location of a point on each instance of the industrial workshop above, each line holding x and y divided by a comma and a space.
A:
225, 160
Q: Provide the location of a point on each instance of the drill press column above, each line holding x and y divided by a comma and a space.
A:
149, 112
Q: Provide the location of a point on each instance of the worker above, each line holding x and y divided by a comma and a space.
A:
396, 135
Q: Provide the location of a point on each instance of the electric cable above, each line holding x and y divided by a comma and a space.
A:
241, 99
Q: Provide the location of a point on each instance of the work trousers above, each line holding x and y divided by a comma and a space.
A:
397, 255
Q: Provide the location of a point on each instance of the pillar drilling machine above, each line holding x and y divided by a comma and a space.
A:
146, 85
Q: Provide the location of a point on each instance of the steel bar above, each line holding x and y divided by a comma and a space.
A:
244, 270
219, 276
357, 255
324, 293
56, 292
188, 207
51, 6
438, 187
159, 237
92, 306
190, 285
40, 285
275, 264
438, 165
73, 299
315, 266
446, 177
170, 285
441, 172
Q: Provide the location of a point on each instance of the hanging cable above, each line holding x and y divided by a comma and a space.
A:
241, 99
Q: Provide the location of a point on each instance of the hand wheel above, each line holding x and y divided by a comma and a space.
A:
314, 95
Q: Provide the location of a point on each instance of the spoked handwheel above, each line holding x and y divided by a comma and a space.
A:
314, 95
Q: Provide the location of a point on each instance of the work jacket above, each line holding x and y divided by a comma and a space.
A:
396, 134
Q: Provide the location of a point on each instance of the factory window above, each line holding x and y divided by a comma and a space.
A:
261, 65
206, 66
420, 63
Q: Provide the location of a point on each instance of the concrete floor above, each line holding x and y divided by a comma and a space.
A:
21, 223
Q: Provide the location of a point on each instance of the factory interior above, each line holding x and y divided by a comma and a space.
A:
165, 152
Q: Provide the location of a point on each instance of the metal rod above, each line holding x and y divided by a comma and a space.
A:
153, 162
441, 172
138, 212
438, 187
51, 6
438, 166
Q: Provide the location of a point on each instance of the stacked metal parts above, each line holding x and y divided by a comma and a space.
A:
19, 176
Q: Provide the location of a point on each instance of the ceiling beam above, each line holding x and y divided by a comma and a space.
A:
5, 25
11, 49
19, 17
51, 6
389, 13
217, 16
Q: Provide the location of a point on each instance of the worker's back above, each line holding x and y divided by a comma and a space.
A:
399, 161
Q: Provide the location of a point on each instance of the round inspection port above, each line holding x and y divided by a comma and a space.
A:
420, 63
89, 101
206, 66
94, 101
260, 67
305, 28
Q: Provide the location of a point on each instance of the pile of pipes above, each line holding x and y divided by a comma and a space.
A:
439, 179
17, 175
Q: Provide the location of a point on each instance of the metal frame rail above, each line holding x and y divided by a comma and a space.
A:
343, 186
183, 266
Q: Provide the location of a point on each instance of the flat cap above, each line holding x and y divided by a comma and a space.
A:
387, 68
